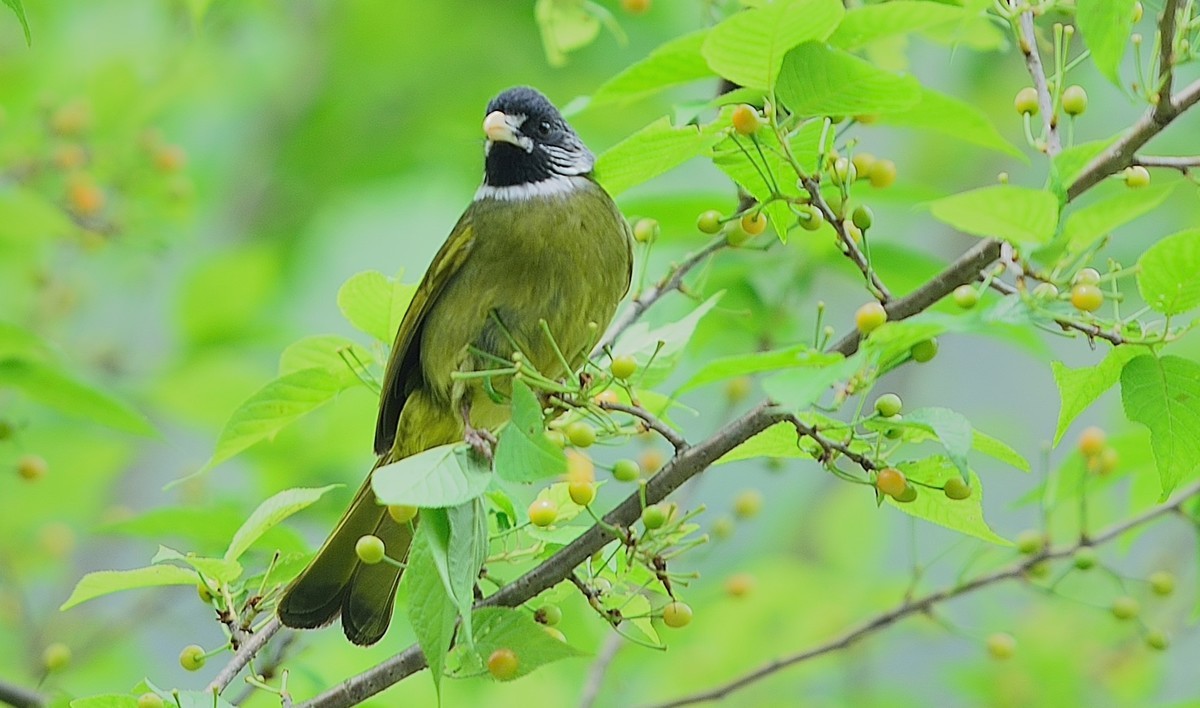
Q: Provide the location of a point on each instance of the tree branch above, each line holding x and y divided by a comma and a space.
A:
1166, 58
651, 422
19, 697
1033, 60
925, 603
1092, 331
253, 644
1183, 163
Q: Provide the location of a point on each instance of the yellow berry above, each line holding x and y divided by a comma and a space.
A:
754, 223
402, 513
746, 119
192, 657
582, 493
1026, 101
503, 665
883, 173
543, 512
870, 317
369, 549
677, 614
56, 656
623, 367
748, 503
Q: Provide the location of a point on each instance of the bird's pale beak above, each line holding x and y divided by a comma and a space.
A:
499, 128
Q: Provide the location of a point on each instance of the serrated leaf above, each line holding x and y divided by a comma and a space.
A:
676, 62
337, 355
651, 151
431, 611
269, 514
748, 47
509, 628
947, 115
952, 429
799, 356
106, 582
272, 408
779, 440
1164, 395
447, 475
962, 515
658, 350
892, 342
761, 169
19, 10
49, 385
1015, 214
818, 80
1089, 224
524, 453
1105, 26
1000, 450
1079, 388
1066, 166
1167, 273
220, 569
863, 25
375, 303
465, 556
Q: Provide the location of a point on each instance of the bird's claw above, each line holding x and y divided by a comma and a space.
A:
481, 441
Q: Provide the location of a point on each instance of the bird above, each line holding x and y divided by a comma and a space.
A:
541, 242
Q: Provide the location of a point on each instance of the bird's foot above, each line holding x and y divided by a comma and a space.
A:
481, 441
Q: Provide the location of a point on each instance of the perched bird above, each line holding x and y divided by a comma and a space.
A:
542, 240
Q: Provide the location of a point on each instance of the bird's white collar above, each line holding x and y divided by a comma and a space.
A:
556, 186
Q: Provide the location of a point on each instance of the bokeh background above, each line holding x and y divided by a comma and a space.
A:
184, 184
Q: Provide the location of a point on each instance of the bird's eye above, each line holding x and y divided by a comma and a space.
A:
544, 128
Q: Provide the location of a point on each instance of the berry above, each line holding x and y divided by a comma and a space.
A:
843, 171
811, 218
1026, 101
31, 467
746, 120
1157, 639
204, 593
677, 614
84, 197
869, 317
645, 230
956, 488
369, 549
581, 434
1086, 298
709, 222
891, 481
747, 504
554, 632
1091, 276
862, 217
735, 236
909, 494
582, 493
150, 700
1125, 608
1138, 10
1074, 100
543, 512
56, 656
1030, 542
1085, 558
623, 367
924, 351
503, 664
1137, 176
402, 513
635, 7
888, 405
651, 461
883, 173
170, 158
754, 223
738, 388
723, 527
1046, 291
966, 296
739, 585
893, 433
557, 438
654, 516
1001, 646
69, 157
863, 161
1162, 583
1092, 441
626, 470
548, 615
605, 396
71, 120
580, 468
192, 657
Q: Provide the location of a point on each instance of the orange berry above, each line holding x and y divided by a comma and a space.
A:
1092, 441
84, 197
891, 481
746, 120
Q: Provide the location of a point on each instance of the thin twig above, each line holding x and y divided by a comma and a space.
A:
1091, 330
595, 679
1166, 57
829, 447
849, 247
1033, 60
20, 697
1183, 163
650, 421
243, 655
925, 603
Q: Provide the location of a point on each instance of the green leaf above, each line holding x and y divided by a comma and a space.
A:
864, 25
509, 628
465, 556
1167, 273
336, 355
799, 388
818, 80
748, 47
220, 569
1105, 25
1014, 214
19, 343
729, 367
106, 582
375, 303
1079, 388
447, 475
51, 386
272, 408
1066, 166
431, 611
891, 343
19, 11
953, 431
108, 700
779, 440
766, 172
207, 527
658, 350
676, 62
1164, 395
566, 25
269, 514
651, 151
999, 450
962, 515
1089, 224
944, 114
524, 453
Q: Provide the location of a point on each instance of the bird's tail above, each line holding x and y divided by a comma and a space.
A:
337, 582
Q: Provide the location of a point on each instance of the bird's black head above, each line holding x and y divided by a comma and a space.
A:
530, 142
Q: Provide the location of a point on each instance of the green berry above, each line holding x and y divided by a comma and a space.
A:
370, 549
870, 317
966, 296
1086, 297
548, 615
843, 171
862, 217
924, 351
709, 222
1030, 542
503, 665
735, 235
1026, 101
543, 512
581, 434
1157, 639
810, 217
645, 230
747, 504
56, 656
554, 632
1162, 583
883, 173
582, 493
1086, 558
31, 468
956, 488
677, 614
909, 494
626, 471
738, 388
623, 367
654, 516
723, 527
1074, 100
402, 513
192, 657
1137, 176
1001, 646
1046, 291
1090, 276
1125, 608
888, 405
150, 700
